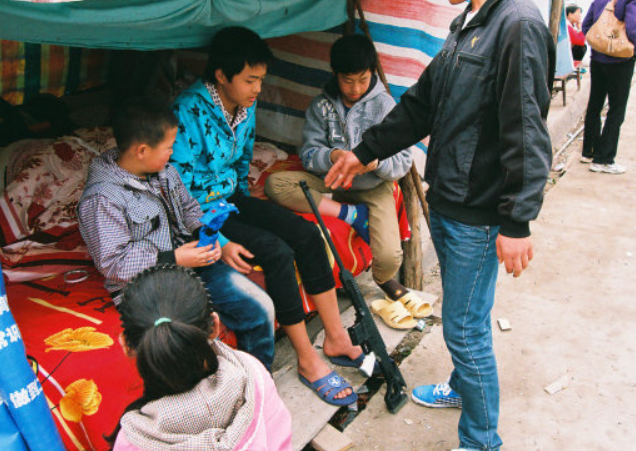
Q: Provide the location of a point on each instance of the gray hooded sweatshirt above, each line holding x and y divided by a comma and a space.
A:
329, 127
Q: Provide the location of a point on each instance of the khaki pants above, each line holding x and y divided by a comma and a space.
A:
284, 189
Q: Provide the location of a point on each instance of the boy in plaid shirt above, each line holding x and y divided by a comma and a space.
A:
136, 213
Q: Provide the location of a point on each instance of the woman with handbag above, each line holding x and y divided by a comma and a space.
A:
610, 28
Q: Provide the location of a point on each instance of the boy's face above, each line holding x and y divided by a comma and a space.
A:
155, 158
244, 87
353, 86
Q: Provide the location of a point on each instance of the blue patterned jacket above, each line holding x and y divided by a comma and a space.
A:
213, 160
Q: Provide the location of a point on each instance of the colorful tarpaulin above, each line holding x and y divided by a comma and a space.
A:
159, 24
406, 33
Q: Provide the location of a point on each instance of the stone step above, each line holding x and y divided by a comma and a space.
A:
309, 413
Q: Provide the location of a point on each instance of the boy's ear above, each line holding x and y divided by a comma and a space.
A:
140, 150
220, 76
216, 326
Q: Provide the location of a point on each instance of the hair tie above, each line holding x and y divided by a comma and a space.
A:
162, 320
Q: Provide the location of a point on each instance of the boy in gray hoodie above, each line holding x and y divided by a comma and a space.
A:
352, 102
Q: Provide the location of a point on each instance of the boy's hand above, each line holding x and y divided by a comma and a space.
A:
232, 256
191, 256
515, 253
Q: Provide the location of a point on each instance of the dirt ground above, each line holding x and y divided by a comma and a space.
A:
572, 314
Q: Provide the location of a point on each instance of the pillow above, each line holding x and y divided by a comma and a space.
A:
45, 179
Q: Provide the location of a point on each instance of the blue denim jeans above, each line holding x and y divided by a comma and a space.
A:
243, 307
468, 263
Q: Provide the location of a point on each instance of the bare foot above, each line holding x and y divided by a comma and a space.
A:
341, 346
312, 368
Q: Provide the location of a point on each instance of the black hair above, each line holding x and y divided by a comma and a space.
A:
143, 120
172, 355
353, 54
232, 48
571, 9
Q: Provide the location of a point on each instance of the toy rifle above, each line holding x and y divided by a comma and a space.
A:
364, 332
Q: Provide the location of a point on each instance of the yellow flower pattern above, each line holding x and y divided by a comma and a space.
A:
78, 340
81, 398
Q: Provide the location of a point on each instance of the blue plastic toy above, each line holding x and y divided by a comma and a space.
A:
213, 220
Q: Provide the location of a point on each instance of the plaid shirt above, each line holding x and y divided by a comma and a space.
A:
126, 221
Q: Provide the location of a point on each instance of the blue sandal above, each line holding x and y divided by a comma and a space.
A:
328, 387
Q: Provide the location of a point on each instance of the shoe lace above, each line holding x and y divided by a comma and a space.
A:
444, 389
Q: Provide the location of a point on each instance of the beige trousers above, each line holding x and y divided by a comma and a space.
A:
284, 189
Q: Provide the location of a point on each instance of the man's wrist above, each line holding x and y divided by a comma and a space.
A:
514, 229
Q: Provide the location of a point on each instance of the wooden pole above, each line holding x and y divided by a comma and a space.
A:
412, 272
555, 18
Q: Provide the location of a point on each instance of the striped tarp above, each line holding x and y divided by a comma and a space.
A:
407, 35
28, 69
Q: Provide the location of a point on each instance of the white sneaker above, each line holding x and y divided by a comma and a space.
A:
608, 168
586, 160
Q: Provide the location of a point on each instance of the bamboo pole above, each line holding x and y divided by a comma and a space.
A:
555, 18
412, 272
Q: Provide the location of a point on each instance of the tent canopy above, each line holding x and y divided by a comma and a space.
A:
160, 24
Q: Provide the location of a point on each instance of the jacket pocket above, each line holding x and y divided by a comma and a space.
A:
474, 79
144, 219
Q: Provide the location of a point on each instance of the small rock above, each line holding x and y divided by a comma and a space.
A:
408, 421
504, 324
558, 385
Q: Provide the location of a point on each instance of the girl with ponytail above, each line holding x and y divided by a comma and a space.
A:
199, 394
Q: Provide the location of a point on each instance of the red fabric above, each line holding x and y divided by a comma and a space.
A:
576, 37
54, 305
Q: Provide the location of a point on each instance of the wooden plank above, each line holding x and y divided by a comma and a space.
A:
309, 413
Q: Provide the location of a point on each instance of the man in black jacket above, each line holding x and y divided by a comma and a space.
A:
483, 100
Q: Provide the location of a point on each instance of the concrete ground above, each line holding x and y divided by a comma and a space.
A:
572, 314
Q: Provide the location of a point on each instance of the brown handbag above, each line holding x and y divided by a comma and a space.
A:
608, 35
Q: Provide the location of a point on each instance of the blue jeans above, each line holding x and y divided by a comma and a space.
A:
243, 307
468, 263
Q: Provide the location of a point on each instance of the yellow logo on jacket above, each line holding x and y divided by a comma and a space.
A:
472, 42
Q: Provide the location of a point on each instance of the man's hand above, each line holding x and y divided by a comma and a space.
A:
515, 253
345, 168
191, 256
232, 256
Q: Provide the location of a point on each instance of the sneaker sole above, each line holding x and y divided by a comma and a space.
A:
435, 406
603, 171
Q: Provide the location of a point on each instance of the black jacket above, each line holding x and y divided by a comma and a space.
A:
483, 100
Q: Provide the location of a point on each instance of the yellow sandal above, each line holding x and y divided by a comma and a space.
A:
393, 314
415, 306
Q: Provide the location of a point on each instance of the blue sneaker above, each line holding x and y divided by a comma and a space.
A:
440, 395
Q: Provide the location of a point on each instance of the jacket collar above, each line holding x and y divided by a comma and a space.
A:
479, 18
332, 92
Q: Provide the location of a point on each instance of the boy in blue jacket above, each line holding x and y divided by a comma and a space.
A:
212, 152
351, 102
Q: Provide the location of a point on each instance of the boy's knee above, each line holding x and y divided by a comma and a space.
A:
267, 315
386, 264
277, 185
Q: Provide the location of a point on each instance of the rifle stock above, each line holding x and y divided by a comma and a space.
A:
364, 332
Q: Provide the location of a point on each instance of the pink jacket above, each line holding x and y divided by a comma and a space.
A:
270, 429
